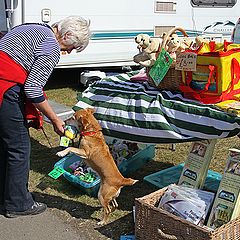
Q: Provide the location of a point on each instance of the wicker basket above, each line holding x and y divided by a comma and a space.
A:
173, 78
156, 224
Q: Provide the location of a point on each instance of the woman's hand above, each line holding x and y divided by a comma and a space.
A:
58, 125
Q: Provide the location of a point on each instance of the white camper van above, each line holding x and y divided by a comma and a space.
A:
115, 24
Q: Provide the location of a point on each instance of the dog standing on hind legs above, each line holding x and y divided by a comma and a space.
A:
95, 152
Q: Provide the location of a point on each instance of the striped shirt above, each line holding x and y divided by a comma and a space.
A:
36, 49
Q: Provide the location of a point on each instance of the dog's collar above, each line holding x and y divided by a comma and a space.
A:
90, 133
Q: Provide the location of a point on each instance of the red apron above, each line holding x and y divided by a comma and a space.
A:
12, 73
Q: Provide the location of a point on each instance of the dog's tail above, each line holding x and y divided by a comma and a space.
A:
129, 181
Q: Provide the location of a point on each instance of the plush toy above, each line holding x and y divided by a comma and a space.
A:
174, 43
147, 57
142, 40
186, 43
174, 46
165, 38
172, 40
199, 41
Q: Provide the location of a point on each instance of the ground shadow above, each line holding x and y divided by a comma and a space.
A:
43, 158
65, 77
80, 211
113, 231
74, 208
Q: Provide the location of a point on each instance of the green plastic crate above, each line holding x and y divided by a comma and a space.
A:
138, 160
171, 175
126, 167
89, 188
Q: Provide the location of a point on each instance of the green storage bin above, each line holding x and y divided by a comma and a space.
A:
137, 161
171, 175
90, 188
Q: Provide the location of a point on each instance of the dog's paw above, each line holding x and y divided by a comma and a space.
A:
61, 153
101, 223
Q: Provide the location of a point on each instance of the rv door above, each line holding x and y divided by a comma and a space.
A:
3, 18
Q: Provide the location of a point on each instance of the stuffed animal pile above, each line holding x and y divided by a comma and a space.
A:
150, 47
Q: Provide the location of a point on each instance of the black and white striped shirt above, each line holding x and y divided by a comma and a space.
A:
36, 49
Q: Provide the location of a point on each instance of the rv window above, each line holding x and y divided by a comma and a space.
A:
159, 30
213, 3
167, 6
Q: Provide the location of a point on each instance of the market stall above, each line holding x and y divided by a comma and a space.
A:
184, 95
137, 112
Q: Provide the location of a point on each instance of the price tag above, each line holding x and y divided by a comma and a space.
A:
186, 61
56, 172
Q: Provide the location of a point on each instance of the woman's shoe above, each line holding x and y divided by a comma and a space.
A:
2, 210
36, 208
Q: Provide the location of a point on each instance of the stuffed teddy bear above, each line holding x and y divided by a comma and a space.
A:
147, 56
171, 42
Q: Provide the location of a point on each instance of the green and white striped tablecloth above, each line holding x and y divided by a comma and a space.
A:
138, 112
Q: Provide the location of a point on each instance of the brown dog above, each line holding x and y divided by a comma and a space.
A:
96, 154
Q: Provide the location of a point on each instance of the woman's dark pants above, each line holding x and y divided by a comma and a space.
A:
14, 153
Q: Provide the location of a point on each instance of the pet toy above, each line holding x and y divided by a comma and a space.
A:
147, 56
70, 132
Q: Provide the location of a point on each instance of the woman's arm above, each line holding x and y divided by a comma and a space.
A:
47, 110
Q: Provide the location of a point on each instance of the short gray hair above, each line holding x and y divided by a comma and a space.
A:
77, 30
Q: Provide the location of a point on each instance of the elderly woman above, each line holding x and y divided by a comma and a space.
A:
28, 55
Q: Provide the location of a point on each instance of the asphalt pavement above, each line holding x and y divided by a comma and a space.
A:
45, 226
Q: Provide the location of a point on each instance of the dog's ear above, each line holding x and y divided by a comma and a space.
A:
77, 115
